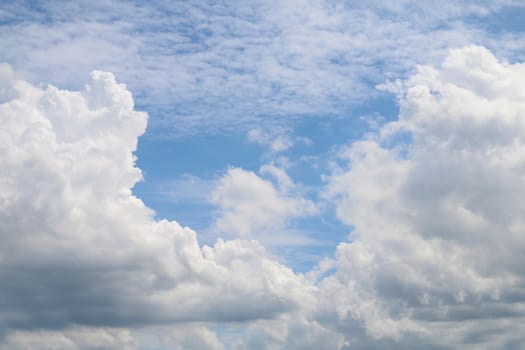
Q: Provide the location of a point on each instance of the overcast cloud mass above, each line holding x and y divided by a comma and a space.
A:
262, 175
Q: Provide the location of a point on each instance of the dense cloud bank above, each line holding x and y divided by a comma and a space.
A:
438, 221
435, 258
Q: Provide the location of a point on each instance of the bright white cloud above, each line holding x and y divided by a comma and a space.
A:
79, 249
252, 206
436, 253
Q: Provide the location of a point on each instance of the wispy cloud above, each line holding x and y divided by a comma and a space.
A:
202, 67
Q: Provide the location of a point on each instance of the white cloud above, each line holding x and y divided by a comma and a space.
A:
252, 206
435, 201
79, 249
208, 67
277, 139
436, 252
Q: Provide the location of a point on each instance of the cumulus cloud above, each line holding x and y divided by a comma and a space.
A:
78, 248
250, 205
437, 241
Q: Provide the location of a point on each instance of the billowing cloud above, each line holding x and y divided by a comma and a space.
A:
78, 248
178, 337
249, 204
435, 200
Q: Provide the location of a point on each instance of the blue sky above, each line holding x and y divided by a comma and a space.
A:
270, 175
179, 172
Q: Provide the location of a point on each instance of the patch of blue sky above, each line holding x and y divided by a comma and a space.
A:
178, 172
509, 19
13, 12
179, 175
324, 233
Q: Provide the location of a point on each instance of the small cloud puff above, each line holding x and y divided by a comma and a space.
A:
277, 139
252, 206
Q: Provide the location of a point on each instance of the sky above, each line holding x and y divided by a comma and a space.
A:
262, 175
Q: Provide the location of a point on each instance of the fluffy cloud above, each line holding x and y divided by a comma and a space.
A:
276, 141
249, 204
78, 248
435, 200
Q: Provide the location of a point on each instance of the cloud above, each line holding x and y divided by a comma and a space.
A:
252, 206
177, 337
292, 332
434, 199
277, 139
192, 336
79, 249
81, 338
276, 142
437, 241
206, 67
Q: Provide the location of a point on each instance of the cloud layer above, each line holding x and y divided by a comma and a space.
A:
212, 67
